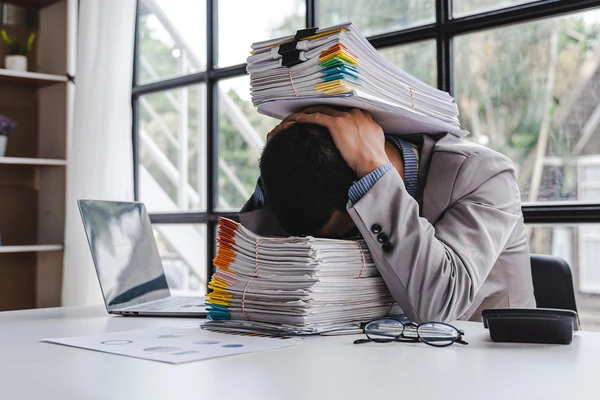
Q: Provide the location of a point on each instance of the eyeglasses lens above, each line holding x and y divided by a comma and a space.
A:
438, 334
384, 329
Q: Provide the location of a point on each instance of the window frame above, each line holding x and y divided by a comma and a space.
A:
442, 31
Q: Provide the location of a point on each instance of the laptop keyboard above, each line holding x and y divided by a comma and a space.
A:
172, 303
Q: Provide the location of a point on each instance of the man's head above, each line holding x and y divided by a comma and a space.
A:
306, 181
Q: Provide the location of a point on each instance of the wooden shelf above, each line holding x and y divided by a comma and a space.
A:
47, 162
31, 249
31, 3
32, 177
29, 78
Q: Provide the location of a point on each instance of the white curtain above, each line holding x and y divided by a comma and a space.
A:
100, 161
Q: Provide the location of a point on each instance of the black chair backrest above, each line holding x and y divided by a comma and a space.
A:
552, 282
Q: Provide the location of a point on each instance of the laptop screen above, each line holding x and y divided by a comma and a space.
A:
124, 252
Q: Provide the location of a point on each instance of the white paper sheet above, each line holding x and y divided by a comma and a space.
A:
357, 76
292, 285
173, 345
393, 120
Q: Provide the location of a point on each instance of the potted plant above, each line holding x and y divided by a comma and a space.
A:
7, 127
17, 59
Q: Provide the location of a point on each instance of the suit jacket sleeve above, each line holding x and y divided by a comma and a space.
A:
435, 271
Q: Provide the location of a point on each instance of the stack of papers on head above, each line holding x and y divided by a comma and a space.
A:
337, 66
294, 285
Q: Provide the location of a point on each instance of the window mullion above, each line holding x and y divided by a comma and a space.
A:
212, 130
312, 13
444, 51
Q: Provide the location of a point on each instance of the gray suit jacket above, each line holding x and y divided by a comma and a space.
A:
458, 248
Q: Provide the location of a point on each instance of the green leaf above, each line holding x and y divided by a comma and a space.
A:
29, 43
12, 44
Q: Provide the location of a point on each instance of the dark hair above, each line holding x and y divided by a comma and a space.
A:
305, 178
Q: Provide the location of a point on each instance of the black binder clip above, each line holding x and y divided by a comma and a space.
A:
290, 56
304, 33
70, 78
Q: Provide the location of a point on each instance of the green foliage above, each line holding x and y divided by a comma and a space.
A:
15, 47
29, 43
502, 76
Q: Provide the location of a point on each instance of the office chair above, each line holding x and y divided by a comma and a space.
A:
552, 282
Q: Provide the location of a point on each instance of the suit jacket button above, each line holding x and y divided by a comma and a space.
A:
387, 247
382, 237
376, 228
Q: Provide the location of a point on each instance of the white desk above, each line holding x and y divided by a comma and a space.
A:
320, 368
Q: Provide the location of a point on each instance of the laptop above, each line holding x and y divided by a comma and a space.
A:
127, 262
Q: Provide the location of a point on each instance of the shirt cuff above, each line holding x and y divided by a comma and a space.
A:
362, 186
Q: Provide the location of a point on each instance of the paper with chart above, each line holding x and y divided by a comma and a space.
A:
174, 345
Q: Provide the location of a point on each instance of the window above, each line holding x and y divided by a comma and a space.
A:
182, 249
461, 8
378, 16
418, 59
172, 149
171, 39
526, 76
531, 91
244, 22
242, 133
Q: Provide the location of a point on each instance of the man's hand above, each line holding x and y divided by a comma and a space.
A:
359, 139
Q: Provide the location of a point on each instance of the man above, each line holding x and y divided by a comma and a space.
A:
441, 216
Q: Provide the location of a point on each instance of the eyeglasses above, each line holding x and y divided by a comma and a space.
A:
437, 334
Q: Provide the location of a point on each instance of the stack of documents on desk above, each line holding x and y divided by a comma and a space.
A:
337, 66
295, 285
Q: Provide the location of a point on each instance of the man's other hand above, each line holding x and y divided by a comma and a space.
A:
359, 139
